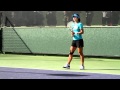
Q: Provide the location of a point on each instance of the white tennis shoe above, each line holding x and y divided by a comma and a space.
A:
66, 66
82, 67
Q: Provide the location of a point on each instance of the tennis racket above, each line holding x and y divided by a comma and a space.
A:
69, 25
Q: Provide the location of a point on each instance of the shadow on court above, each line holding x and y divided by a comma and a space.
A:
44, 73
23, 73
72, 75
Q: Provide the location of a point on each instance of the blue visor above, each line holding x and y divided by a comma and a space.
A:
76, 15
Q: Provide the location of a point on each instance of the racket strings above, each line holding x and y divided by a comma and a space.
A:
69, 25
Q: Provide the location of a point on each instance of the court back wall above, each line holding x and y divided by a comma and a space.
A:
98, 41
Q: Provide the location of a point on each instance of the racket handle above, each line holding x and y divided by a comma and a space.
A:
72, 33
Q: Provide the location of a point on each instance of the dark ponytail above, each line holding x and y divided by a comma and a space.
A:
79, 20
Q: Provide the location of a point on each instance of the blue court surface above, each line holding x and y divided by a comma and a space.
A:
22, 73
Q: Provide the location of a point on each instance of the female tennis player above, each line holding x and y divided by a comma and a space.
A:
77, 42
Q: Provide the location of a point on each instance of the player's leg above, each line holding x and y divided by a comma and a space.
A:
80, 45
80, 51
72, 50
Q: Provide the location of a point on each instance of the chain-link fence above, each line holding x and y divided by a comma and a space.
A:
60, 18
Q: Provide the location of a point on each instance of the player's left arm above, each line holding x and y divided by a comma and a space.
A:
81, 30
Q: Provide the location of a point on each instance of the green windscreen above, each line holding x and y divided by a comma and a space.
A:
98, 41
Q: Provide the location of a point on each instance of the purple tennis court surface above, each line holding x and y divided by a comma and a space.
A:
21, 73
